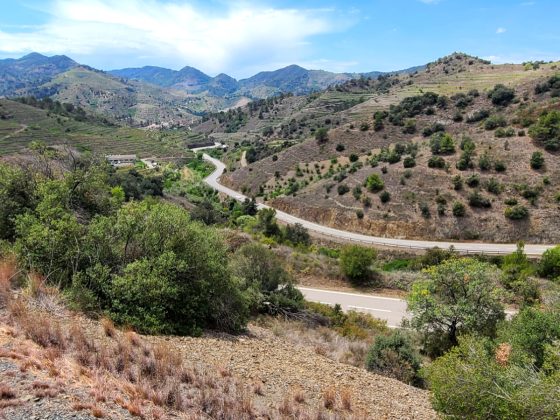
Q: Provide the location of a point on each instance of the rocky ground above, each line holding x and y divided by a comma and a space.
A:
55, 364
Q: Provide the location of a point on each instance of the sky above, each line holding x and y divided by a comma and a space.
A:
241, 38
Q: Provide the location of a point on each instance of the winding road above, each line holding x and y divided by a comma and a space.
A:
213, 180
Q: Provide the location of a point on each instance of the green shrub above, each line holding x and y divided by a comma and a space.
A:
297, 235
436, 162
516, 212
547, 130
342, 189
457, 182
374, 183
494, 122
478, 200
385, 196
499, 166
493, 186
356, 263
394, 356
409, 162
474, 378
550, 263
537, 160
458, 209
501, 95
504, 132
442, 143
473, 181
484, 162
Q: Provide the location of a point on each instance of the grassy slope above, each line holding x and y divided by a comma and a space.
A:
31, 124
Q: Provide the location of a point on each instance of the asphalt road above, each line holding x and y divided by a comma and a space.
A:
391, 310
462, 247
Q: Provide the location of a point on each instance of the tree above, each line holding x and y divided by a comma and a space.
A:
17, 195
266, 222
374, 183
394, 356
356, 263
266, 282
165, 272
516, 276
537, 160
322, 135
547, 130
481, 380
501, 95
297, 234
458, 209
442, 143
459, 296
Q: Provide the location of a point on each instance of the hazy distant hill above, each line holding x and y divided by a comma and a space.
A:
30, 71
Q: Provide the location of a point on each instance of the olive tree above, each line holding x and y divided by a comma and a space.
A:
455, 297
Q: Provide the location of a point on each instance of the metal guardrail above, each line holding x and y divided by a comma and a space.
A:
241, 197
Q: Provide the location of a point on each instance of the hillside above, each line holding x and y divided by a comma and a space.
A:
242, 377
319, 182
22, 124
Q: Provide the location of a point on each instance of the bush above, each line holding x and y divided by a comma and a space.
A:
436, 162
340, 147
322, 135
374, 183
356, 263
457, 182
297, 235
353, 157
484, 163
473, 181
537, 160
478, 200
550, 263
516, 277
342, 189
472, 380
516, 212
458, 209
442, 143
478, 116
385, 196
266, 283
494, 122
493, 186
409, 162
504, 132
499, 166
501, 95
394, 356
547, 130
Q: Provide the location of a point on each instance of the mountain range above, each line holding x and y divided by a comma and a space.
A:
155, 94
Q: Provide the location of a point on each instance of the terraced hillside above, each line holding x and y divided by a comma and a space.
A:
22, 124
489, 185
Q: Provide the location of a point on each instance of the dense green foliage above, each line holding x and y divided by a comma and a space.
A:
356, 263
456, 297
501, 95
374, 183
394, 356
547, 130
550, 263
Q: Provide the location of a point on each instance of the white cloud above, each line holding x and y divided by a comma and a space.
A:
235, 37
501, 30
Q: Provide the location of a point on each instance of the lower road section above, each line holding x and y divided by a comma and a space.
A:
213, 180
391, 310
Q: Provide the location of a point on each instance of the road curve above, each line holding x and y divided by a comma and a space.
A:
462, 247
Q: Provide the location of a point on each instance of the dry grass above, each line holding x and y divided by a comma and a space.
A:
346, 399
8, 272
329, 398
324, 341
6, 393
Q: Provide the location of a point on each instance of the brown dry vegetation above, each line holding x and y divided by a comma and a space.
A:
75, 364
